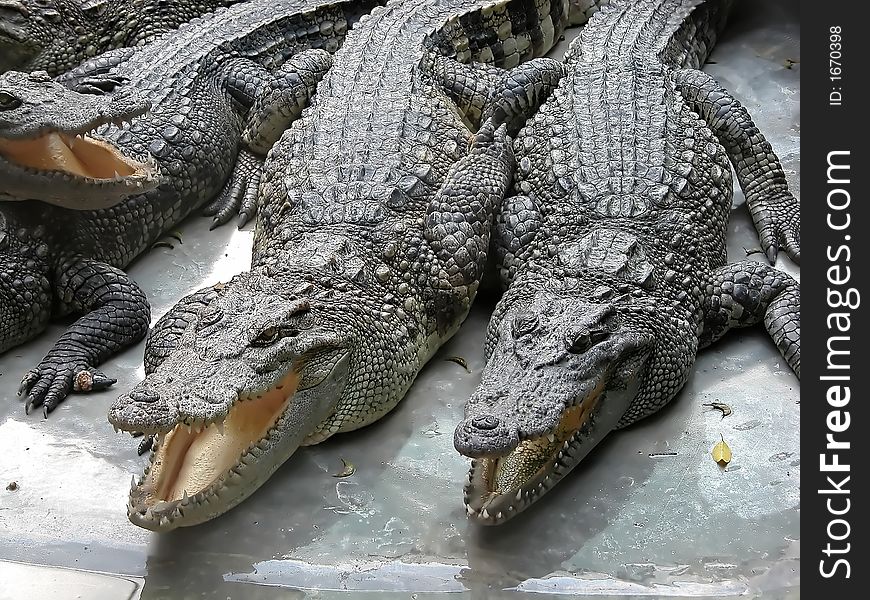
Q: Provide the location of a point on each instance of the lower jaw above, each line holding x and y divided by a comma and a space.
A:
487, 506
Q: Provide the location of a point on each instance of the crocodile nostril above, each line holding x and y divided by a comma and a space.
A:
486, 422
144, 396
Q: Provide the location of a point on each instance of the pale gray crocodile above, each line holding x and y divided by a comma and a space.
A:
234, 78
372, 233
613, 250
57, 35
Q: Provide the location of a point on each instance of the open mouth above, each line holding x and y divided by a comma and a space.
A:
200, 469
193, 462
77, 155
497, 488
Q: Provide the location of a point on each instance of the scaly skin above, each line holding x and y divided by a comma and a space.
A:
217, 84
613, 250
57, 35
372, 234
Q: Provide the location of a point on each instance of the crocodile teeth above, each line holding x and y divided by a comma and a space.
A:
470, 511
185, 498
551, 438
484, 513
220, 427
519, 494
499, 516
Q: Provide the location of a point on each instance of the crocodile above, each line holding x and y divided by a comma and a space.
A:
58, 35
372, 233
612, 250
234, 78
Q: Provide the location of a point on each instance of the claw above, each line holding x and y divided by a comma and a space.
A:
27, 381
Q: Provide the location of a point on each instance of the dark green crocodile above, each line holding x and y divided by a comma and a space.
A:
373, 228
613, 250
229, 80
57, 35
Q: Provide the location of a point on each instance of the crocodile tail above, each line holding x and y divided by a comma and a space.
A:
503, 32
679, 33
692, 43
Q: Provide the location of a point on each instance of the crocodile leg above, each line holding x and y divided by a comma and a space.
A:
521, 91
117, 315
468, 85
745, 293
775, 211
511, 96
278, 100
516, 225
459, 216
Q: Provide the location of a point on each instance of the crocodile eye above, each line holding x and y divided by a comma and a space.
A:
578, 342
267, 337
8, 101
94, 8
525, 323
210, 316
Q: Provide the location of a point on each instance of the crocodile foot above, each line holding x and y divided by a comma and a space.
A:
49, 383
778, 222
239, 195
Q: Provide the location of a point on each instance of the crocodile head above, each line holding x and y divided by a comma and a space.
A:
561, 374
53, 35
249, 380
48, 151
26, 28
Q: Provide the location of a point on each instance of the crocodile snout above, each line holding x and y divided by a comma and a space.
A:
484, 435
147, 396
486, 422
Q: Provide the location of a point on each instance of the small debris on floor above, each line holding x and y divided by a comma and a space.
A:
459, 361
721, 452
348, 469
721, 406
13, 486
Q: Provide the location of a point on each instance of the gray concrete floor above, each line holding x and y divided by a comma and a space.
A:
648, 514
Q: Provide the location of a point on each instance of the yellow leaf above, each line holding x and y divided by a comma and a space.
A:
721, 452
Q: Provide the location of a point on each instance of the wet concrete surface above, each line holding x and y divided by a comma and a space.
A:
648, 514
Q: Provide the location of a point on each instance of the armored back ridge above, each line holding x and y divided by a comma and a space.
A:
371, 237
612, 250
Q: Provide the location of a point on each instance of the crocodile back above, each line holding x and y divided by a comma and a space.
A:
622, 192
617, 165
372, 164
346, 190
